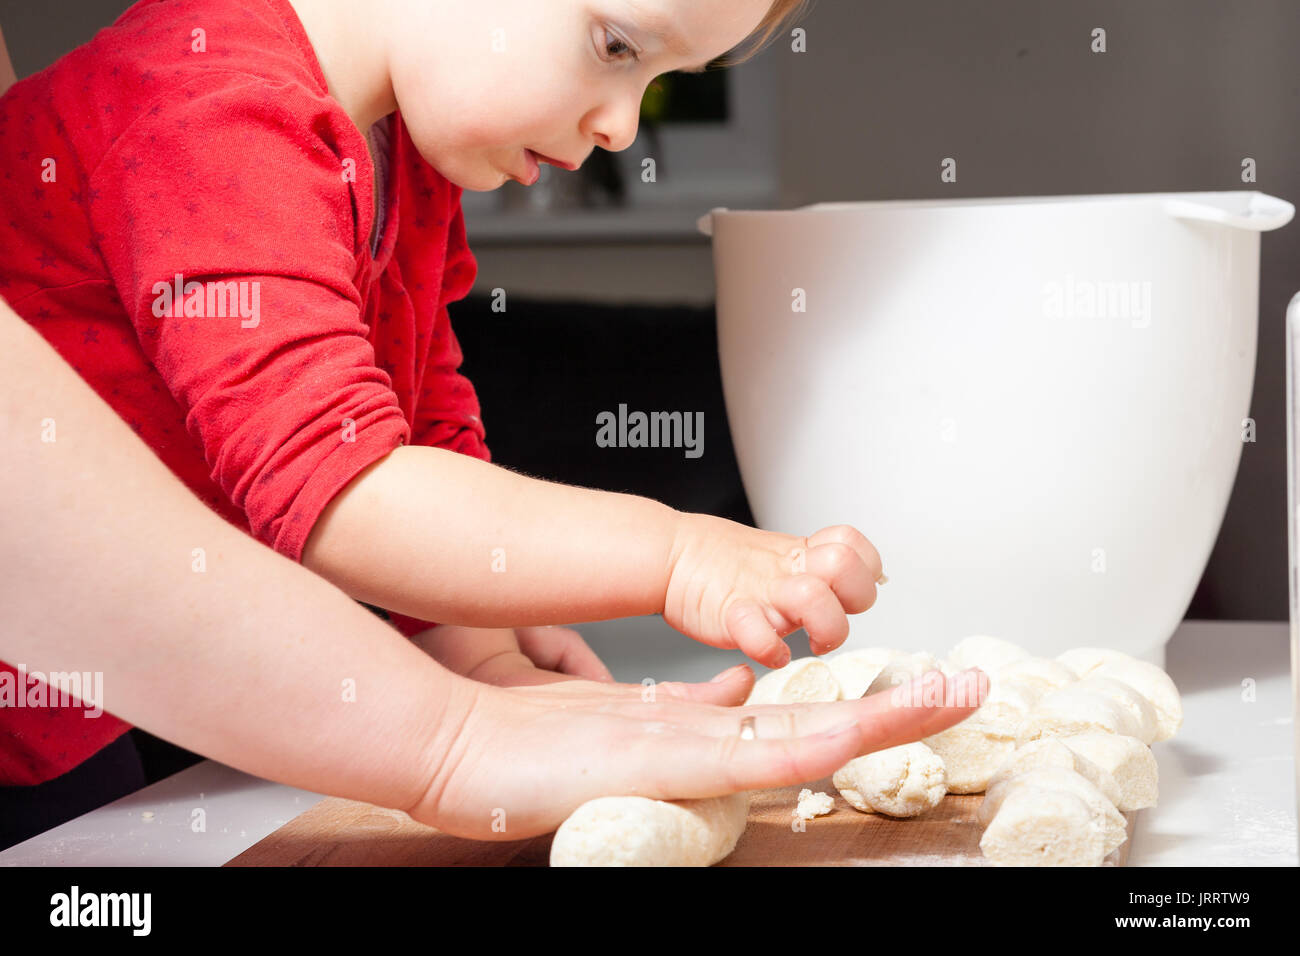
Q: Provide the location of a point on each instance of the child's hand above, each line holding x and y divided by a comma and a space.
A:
535, 656
510, 764
499, 655
734, 586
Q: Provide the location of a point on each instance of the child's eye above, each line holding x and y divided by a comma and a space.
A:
618, 48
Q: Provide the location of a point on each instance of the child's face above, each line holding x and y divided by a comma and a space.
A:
479, 82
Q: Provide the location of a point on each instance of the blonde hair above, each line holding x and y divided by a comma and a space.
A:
781, 14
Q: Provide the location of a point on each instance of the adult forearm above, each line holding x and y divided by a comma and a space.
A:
203, 636
446, 537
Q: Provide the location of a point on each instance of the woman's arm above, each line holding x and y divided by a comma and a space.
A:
253, 660
248, 661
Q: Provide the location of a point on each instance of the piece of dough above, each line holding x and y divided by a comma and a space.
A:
1009, 700
902, 670
638, 831
984, 652
1038, 826
1127, 760
1084, 660
1074, 711
855, 670
1104, 816
1052, 752
972, 751
1153, 684
900, 781
1139, 708
1041, 672
813, 804
803, 681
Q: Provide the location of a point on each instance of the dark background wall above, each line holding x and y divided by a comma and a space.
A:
887, 89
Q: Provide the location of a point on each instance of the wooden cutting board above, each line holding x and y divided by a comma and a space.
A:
346, 833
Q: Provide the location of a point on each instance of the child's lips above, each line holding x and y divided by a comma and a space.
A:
532, 166
542, 157
532, 171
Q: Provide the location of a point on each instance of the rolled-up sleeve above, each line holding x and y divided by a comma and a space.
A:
284, 397
448, 414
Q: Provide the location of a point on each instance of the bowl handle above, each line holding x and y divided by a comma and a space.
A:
1264, 212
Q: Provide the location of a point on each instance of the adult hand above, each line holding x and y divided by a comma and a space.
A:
513, 763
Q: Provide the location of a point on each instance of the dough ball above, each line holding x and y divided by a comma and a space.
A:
986, 653
1139, 708
638, 831
1036, 826
1074, 711
1153, 684
1104, 817
1127, 760
1041, 672
900, 781
855, 670
903, 670
1084, 660
1052, 752
1009, 700
813, 804
803, 681
972, 751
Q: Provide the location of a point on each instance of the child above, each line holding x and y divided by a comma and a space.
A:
239, 220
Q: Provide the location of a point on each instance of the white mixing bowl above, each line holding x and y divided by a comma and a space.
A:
1033, 407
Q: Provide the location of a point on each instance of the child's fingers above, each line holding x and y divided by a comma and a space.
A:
855, 539
728, 689
848, 575
754, 635
809, 601
563, 650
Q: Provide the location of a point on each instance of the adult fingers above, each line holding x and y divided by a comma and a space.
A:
728, 689
816, 741
925, 706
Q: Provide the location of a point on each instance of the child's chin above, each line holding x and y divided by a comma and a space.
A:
477, 185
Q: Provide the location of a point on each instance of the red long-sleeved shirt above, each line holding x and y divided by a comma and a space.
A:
140, 157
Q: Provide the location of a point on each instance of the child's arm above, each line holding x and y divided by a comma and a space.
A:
443, 536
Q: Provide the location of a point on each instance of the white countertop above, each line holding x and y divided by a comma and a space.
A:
1227, 781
